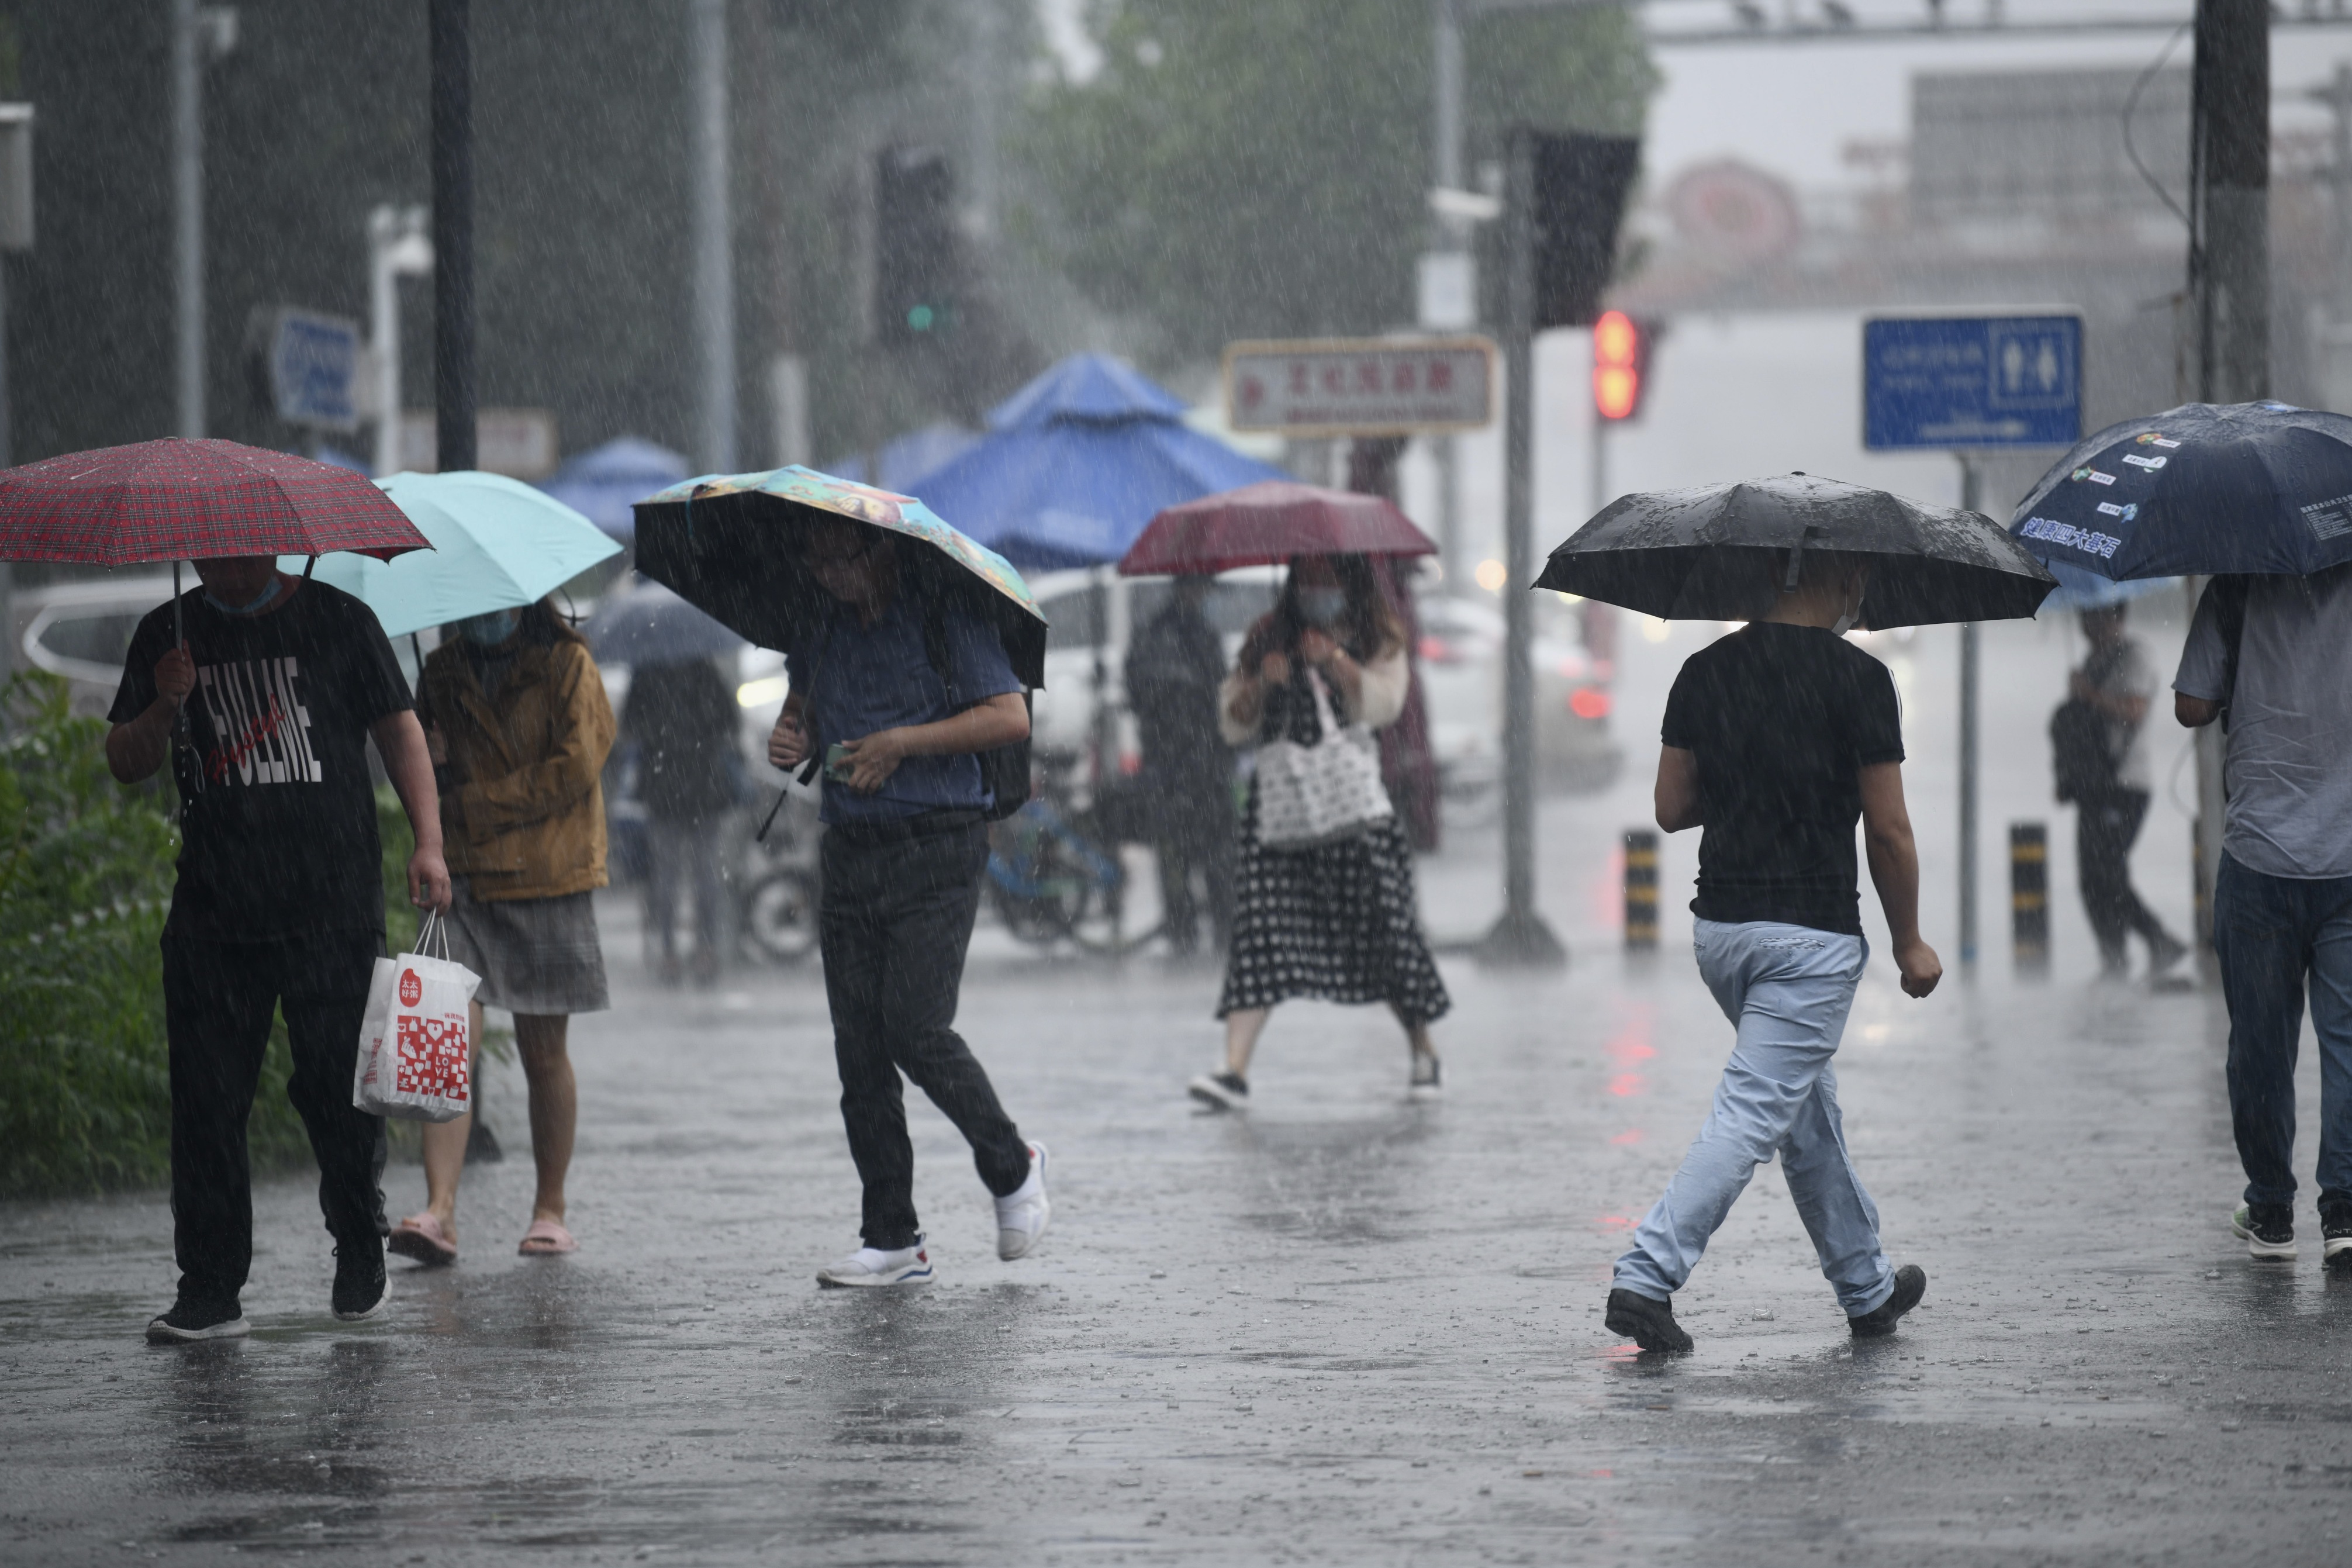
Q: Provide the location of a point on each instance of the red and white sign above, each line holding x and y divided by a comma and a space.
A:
1359, 386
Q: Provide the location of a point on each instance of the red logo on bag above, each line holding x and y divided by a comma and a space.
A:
411, 988
429, 1057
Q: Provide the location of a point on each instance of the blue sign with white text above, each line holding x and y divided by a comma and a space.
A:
314, 368
1965, 381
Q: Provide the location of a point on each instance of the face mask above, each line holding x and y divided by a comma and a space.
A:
1844, 622
1321, 606
494, 627
259, 603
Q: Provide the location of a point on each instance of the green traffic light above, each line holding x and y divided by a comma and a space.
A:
920, 319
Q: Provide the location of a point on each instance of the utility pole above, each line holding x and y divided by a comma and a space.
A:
714, 272
1521, 937
2229, 285
453, 238
188, 216
1971, 500
1451, 251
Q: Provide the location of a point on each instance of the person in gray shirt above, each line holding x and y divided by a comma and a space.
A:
2268, 656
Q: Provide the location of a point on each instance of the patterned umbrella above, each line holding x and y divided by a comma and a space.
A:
726, 546
177, 499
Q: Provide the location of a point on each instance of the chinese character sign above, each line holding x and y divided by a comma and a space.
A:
1370, 386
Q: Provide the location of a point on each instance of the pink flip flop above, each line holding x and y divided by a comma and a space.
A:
546, 1238
420, 1236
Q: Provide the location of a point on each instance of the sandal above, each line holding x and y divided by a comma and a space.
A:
420, 1236
546, 1238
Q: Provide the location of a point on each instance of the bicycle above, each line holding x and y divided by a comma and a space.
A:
1053, 872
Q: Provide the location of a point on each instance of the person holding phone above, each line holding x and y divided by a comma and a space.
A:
897, 690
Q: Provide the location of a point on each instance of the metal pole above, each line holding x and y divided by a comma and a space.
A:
188, 216
1521, 937
1445, 171
2339, 172
2229, 281
1970, 484
714, 274
453, 238
383, 327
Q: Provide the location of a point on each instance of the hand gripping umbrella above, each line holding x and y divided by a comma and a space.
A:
2254, 488
1268, 524
1711, 551
731, 546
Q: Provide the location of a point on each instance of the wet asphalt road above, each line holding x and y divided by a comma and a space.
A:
1347, 1329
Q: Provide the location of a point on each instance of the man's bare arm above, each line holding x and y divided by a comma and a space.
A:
1894, 872
409, 763
2194, 712
1676, 797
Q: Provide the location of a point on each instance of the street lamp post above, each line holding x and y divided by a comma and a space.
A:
714, 274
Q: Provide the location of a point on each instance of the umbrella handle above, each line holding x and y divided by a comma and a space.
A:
770, 821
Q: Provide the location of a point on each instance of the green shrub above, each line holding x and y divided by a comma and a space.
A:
85, 883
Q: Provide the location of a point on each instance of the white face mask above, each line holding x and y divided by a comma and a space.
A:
1844, 622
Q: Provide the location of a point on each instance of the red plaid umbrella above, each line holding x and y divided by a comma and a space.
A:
1265, 524
177, 500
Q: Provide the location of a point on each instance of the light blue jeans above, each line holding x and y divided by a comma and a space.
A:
1788, 989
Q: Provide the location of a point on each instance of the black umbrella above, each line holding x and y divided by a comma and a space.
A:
1712, 553
651, 624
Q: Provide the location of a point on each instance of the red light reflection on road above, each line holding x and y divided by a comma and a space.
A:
1630, 1136
1626, 1084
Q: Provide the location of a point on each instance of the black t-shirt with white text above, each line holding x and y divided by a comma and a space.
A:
1783, 720
276, 810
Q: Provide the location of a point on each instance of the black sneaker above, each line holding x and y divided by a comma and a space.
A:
362, 1287
2335, 1236
1910, 1284
190, 1320
1220, 1090
2267, 1229
1649, 1323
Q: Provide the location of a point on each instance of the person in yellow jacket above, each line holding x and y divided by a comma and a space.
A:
516, 715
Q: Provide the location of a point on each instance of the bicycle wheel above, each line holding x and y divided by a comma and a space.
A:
780, 916
1040, 892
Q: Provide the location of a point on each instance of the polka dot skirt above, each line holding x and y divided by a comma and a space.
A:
1339, 922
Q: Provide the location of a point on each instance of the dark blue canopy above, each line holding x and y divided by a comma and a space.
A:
1075, 463
604, 482
2262, 488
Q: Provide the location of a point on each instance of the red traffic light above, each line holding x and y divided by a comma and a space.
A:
1620, 364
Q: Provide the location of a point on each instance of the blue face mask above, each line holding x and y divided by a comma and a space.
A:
494, 627
1321, 606
259, 603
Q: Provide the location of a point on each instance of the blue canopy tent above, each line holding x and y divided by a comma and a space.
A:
903, 461
1075, 463
603, 482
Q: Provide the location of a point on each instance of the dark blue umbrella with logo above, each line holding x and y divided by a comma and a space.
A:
2258, 487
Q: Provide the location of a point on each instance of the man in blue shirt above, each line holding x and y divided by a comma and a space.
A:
905, 847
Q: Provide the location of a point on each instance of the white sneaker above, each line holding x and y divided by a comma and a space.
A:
872, 1266
1021, 1216
1427, 1081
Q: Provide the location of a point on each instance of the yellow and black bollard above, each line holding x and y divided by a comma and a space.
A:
2028, 896
1640, 890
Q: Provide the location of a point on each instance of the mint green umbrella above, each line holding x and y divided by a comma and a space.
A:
497, 542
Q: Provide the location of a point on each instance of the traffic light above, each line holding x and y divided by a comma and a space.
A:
914, 246
1620, 365
1580, 183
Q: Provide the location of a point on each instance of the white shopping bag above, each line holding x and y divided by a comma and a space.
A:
415, 1056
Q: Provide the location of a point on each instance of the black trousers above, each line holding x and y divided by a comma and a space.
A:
2105, 827
894, 920
1196, 843
218, 1000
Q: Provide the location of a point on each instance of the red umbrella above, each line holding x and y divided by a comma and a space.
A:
1265, 524
177, 501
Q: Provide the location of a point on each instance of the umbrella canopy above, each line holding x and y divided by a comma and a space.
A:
497, 542
1708, 552
651, 624
2261, 487
1268, 522
903, 460
1075, 464
602, 483
729, 545
178, 500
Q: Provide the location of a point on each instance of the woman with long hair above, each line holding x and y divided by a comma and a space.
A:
520, 728
1337, 919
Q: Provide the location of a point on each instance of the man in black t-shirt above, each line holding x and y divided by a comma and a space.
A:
1778, 738
264, 713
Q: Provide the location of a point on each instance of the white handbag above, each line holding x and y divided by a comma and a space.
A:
1316, 795
416, 1050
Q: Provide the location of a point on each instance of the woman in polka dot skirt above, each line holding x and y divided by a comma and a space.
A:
1338, 920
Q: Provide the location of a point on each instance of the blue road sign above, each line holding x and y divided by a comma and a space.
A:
1955, 383
314, 369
